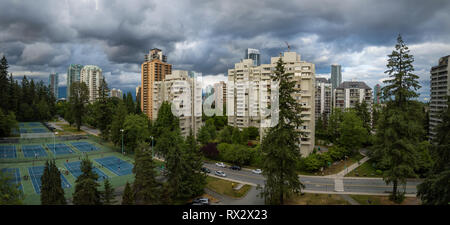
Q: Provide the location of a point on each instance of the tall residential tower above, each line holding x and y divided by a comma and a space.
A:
73, 75
440, 89
53, 84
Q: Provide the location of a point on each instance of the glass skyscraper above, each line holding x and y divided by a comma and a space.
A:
73, 75
336, 76
253, 54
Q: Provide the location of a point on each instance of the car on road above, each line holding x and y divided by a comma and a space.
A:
200, 201
220, 164
220, 173
206, 170
234, 167
257, 171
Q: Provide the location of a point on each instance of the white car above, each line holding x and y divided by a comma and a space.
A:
220, 164
257, 171
220, 173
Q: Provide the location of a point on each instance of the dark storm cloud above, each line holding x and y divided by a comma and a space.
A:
210, 36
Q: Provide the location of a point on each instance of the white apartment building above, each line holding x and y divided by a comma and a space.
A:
116, 93
249, 91
220, 96
350, 92
323, 98
189, 106
91, 75
440, 89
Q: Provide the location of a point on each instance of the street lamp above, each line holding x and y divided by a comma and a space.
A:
54, 147
121, 130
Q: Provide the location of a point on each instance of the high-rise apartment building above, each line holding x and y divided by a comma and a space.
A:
92, 76
116, 93
253, 54
73, 75
155, 68
376, 94
138, 93
53, 84
440, 89
336, 76
173, 89
249, 92
323, 98
351, 92
220, 96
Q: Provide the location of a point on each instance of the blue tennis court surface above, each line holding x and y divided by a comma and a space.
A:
39, 130
84, 146
23, 130
36, 173
116, 165
33, 151
60, 149
75, 169
14, 174
8, 151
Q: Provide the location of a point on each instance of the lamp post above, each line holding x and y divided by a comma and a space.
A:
121, 130
54, 147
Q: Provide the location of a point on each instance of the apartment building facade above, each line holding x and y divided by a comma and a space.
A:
155, 68
73, 75
220, 96
91, 75
440, 89
351, 92
182, 89
250, 91
53, 84
116, 93
323, 98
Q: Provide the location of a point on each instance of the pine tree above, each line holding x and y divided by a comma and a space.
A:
130, 103
45, 185
127, 197
145, 187
280, 146
108, 193
399, 129
194, 179
103, 112
79, 97
86, 188
117, 124
52, 192
4, 84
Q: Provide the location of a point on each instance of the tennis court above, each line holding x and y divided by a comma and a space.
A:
75, 169
60, 149
30, 151
14, 174
8, 151
39, 130
23, 130
36, 173
84, 146
116, 165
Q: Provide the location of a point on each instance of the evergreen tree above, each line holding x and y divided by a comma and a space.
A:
435, 189
117, 124
362, 111
236, 136
145, 187
79, 97
225, 135
108, 193
194, 179
103, 111
52, 192
4, 84
280, 146
135, 130
127, 198
130, 103
400, 129
86, 186
203, 135
352, 132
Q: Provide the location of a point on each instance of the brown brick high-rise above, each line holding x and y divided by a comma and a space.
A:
155, 68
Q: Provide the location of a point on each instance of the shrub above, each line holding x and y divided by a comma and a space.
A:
379, 172
210, 150
312, 163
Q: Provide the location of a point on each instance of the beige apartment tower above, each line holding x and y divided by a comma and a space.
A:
92, 76
247, 101
155, 68
440, 89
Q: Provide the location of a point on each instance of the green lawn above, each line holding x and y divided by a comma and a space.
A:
316, 199
224, 187
382, 200
364, 170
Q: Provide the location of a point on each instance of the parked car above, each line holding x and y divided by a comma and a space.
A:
220, 173
206, 170
200, 201
257, 171
234, 167
220, 164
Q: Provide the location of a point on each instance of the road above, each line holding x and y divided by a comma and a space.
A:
317, 184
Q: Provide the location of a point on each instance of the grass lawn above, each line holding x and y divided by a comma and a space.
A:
224, 187
316, 199
340, 165
364, 170
383, 200
67, 129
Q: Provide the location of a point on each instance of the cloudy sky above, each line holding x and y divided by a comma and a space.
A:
39, 37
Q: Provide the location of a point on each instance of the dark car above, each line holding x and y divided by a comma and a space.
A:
235, 167
206, 170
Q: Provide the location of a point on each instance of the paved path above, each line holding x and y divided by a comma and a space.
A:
251, 198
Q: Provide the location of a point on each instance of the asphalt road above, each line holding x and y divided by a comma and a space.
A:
321, 184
